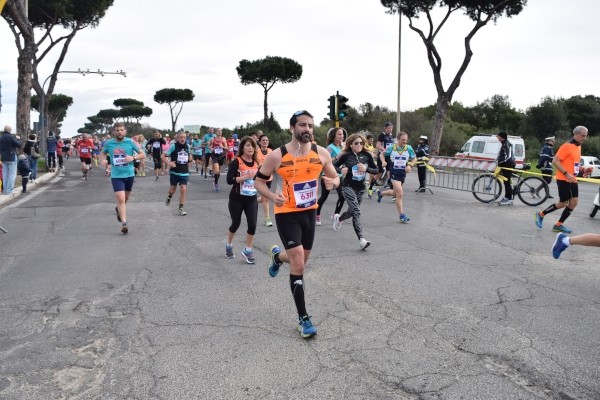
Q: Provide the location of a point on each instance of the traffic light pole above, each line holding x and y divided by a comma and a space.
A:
337, 118
338, 108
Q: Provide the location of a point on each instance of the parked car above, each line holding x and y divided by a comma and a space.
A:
486, 147
589, 162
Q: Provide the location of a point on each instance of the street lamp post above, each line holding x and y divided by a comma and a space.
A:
42, 104
398, 129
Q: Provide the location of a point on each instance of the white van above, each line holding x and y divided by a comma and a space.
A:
589, 163
486, 147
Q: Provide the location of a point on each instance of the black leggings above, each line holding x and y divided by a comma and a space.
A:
246, 204
325, 195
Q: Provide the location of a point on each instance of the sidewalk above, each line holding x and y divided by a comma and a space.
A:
45, 177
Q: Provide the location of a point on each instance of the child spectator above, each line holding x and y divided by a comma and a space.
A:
24, 170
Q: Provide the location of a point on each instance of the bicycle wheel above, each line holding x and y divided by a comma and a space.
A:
486, 188
533, 191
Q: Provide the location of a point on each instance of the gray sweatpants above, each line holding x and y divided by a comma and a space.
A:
353, 198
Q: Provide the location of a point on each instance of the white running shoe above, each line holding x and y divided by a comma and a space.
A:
364, 243
337, 224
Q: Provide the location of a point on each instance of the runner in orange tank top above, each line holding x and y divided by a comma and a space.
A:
299, 163
567, 166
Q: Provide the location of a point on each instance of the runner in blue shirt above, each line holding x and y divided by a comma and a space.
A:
401, 157
123, 153
197, 151
207, 152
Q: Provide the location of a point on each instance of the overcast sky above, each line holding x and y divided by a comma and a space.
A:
350, 46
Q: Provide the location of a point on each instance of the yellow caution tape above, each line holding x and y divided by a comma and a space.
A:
424, 162
590, 180
498, 176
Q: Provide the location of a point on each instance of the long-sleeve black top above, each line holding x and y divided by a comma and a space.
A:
505, 155
353, 177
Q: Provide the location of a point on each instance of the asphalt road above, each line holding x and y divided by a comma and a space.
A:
464, 302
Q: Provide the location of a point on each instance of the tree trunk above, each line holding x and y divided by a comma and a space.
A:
25, 40
24, 89
265, 106
441, 110
173, 119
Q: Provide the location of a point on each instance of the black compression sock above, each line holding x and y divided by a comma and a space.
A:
565, 214
549, 209
297, 286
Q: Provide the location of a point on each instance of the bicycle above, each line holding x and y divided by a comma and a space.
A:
532, 190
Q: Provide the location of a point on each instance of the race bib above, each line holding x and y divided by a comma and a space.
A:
182, 157
84, 150
218, 150
156, 145
247, 188
400, 162
357, 175
119, 160
305, 194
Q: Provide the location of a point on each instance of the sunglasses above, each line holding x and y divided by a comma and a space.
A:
358, 143
300, 112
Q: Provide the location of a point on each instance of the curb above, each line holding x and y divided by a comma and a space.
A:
4, 198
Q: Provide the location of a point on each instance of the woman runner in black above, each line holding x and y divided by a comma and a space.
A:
358, 162
242, 197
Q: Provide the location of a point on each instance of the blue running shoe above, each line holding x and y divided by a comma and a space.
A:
561, 228
248, 255
539, 220
273, 264
559, 245
229, 251
404, 219
379, 196
306, 328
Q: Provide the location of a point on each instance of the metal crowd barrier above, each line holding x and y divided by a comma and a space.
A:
458, 173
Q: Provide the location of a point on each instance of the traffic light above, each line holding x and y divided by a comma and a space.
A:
332, 114
342, 107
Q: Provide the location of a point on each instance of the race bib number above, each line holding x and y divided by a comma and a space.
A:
84, 150
247, 188
357, 175
119, 160
182, 157
400, 162
218, 150
156, 145
235, 148
305, 194
576, 169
